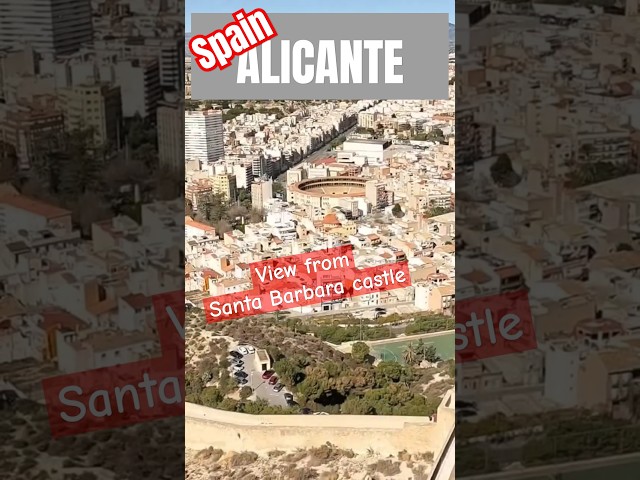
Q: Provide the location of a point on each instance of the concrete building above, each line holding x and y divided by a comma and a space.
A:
262, 360
171, 133
54, 27
198, 193
18, 212
261, 167
296, 175
203, 135
475, 141
139, 82
95, 107
33, 128
168, 51
368, 119
373, 150
613, 147
375, 194
244, 175
261, 192
225, 185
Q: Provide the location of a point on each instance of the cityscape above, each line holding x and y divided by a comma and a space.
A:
119, 191
270, 179
547, 160
91, 219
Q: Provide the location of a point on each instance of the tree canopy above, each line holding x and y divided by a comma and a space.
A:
502, 172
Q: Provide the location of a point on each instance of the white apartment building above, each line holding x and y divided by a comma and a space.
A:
244, 175
261, 167
369, 119
203, 135
372, 150
261, 193
375, 194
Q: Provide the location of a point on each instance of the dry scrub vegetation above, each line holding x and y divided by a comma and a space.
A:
324, 463
28, 452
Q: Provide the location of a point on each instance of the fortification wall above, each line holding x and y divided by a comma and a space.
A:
207, 427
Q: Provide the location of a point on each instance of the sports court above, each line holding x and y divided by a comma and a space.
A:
444, 344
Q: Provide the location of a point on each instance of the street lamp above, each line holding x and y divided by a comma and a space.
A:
251, 378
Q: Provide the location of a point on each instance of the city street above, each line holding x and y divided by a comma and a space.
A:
369, 311
322, 152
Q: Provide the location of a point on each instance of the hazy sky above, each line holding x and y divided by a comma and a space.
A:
322, 6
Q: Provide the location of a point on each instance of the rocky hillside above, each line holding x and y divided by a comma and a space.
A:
324, 463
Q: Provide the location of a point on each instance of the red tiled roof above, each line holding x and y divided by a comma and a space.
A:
56, 317
331, 219
137, 301
33, 206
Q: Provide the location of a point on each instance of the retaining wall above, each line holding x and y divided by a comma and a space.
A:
207, 427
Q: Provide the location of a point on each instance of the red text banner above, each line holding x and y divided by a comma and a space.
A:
125, 394
114, 396
307, 268
494, 325
304, 280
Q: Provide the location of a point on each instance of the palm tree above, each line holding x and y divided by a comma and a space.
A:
409, 355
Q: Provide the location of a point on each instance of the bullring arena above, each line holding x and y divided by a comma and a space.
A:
326, 193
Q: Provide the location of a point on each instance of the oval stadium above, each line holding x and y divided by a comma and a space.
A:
327, 193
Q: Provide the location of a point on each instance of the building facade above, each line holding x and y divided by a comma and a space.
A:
204, 137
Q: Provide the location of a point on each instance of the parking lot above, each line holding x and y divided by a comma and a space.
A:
260, 387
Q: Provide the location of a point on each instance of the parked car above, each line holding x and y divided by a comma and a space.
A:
288, 397
278, 387
240, 374
243, 350
250, 349
273, 380
266, 375
237, 362
237, 368
243, 381
235, 354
